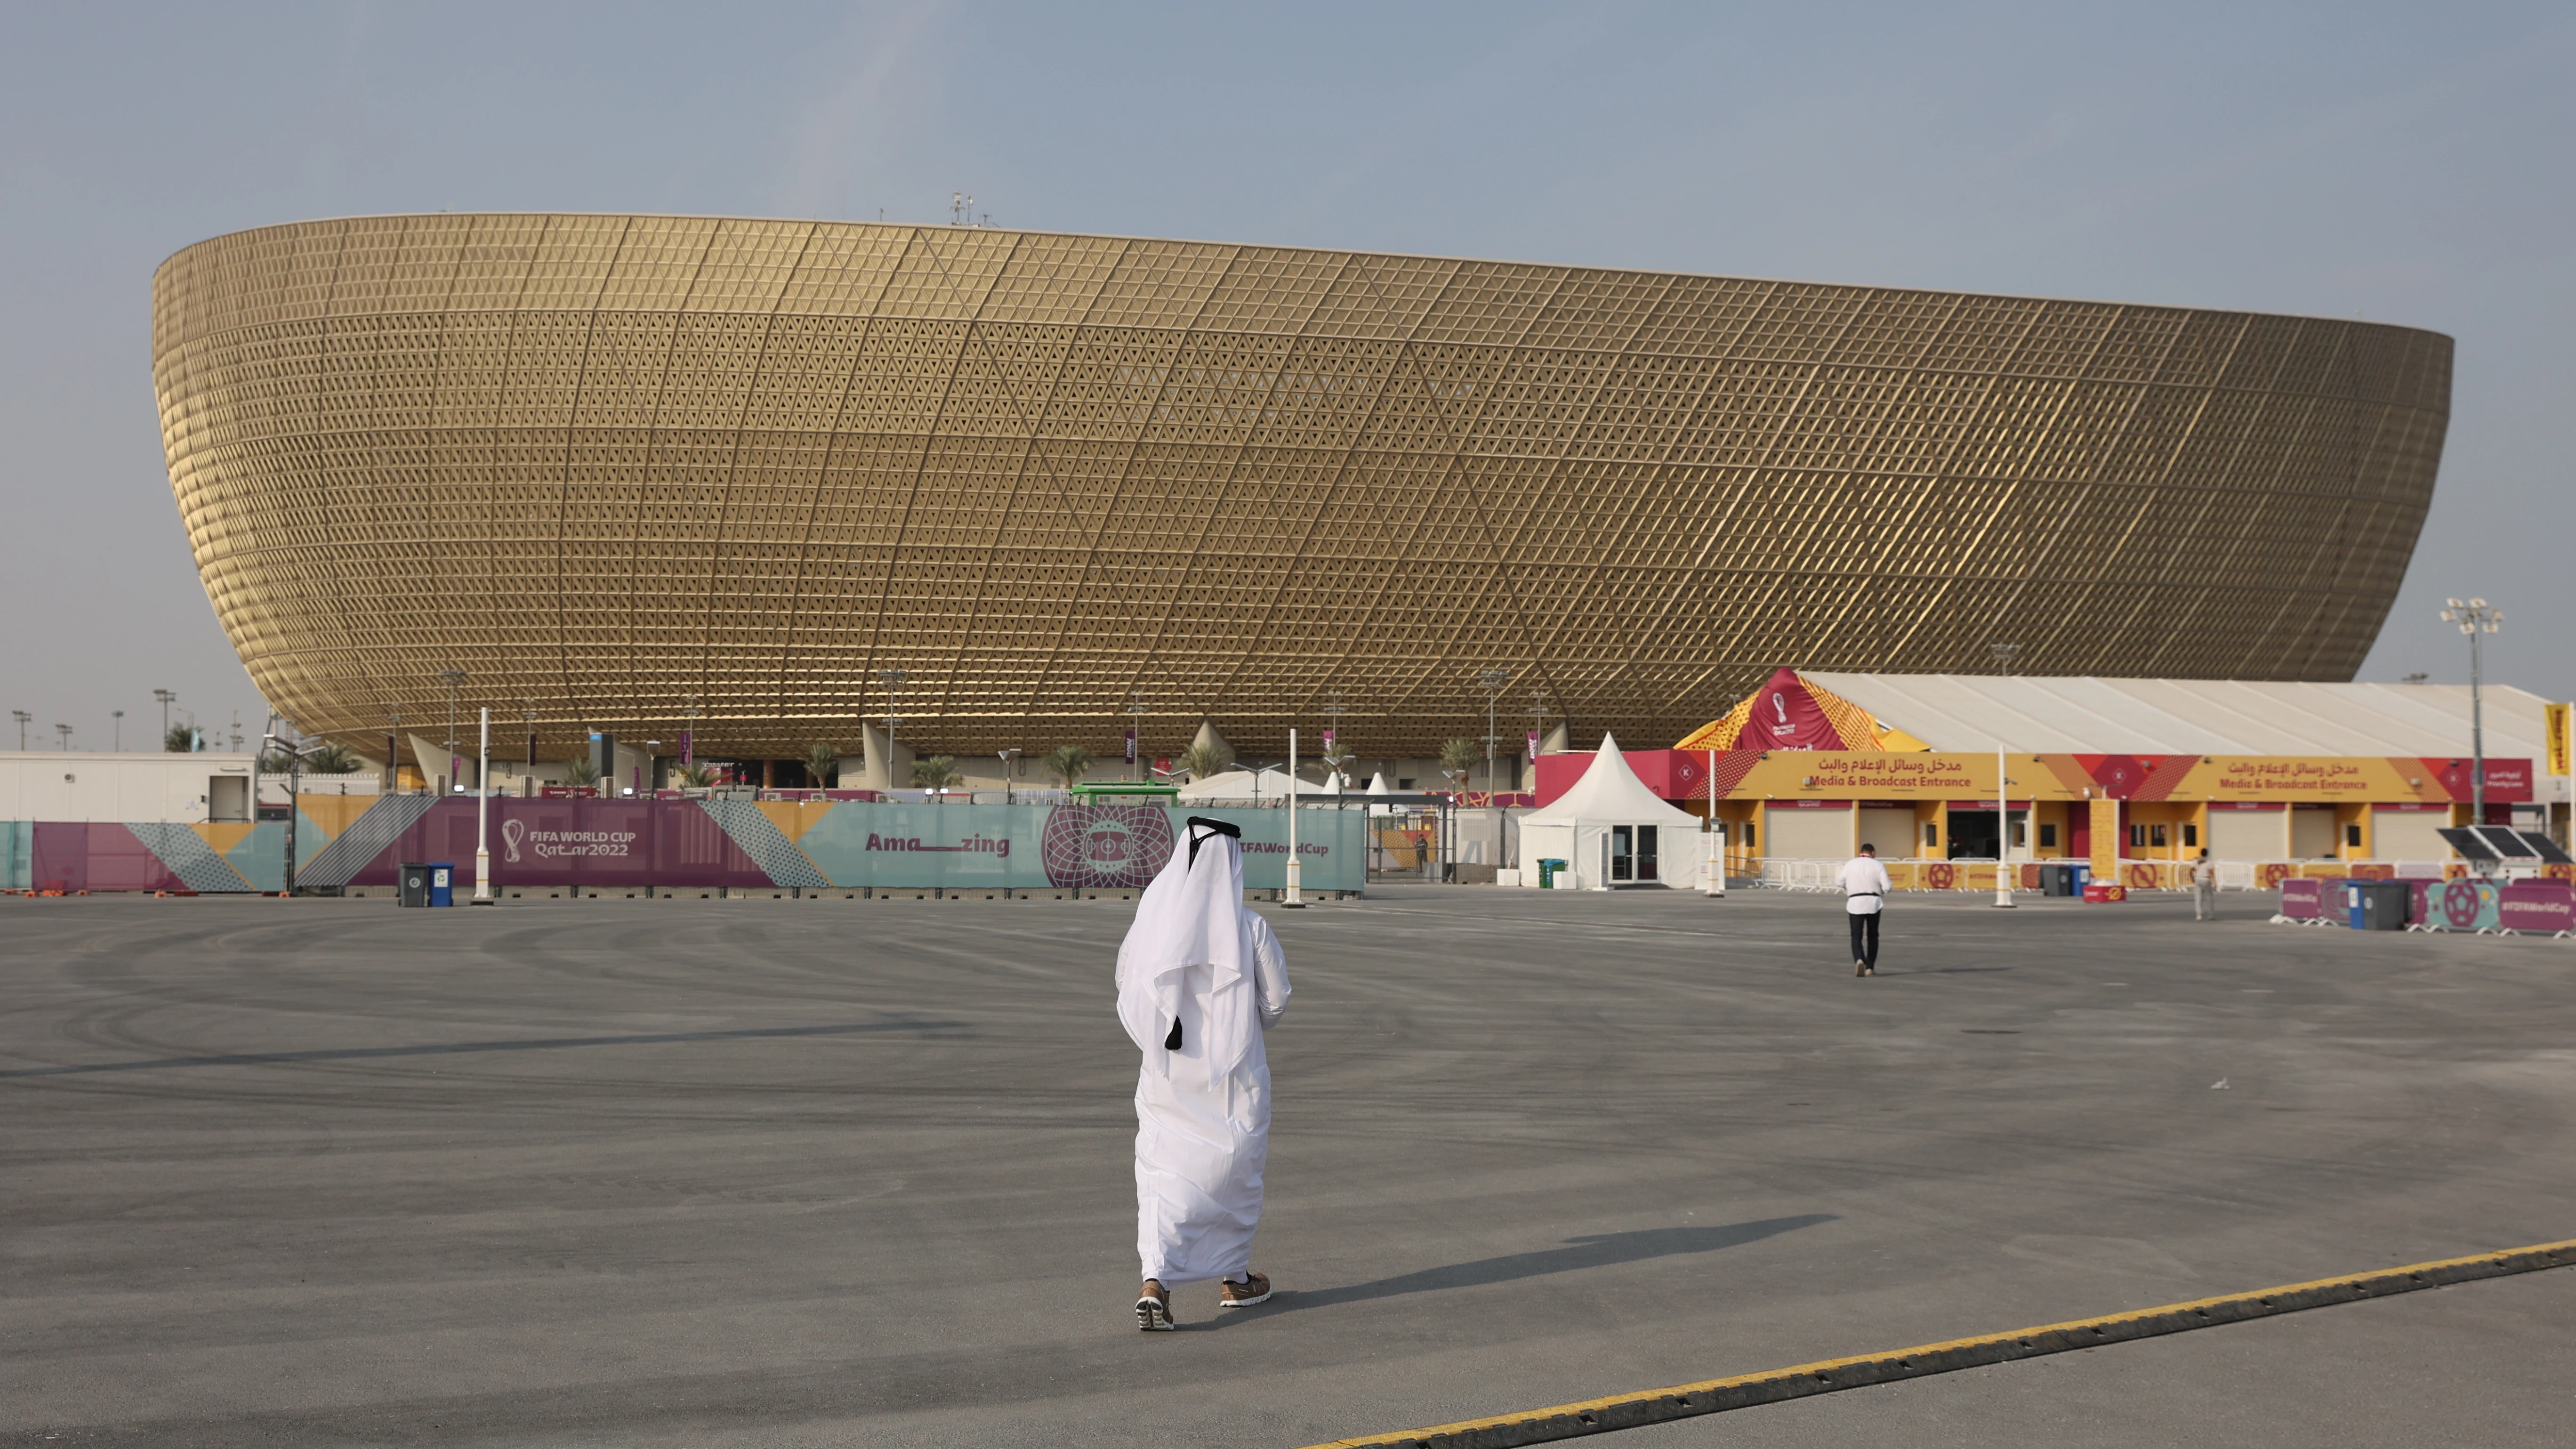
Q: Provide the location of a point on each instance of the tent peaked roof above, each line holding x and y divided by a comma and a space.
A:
1610, 793
1791, 711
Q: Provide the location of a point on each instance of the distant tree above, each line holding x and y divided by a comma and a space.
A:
1339, 759
1205, 760
582, 771
334, 758
822, 762
181, 740
696, 777
1457, 757
1069, 763
935, 772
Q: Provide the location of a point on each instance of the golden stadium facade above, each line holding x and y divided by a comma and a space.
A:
611, 466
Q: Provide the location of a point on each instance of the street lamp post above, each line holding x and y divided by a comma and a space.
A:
1135, 744
528, 787
893, 680
393, 751
168, 697
1493, 681
2475, 617
2004, 654
23, 718
63, 736
1296, 872
119, 716
454, 679
1007, 756
483, 814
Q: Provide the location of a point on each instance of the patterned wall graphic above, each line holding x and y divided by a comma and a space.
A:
608, 465
626, 844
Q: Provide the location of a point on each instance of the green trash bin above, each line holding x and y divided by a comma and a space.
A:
1548, 870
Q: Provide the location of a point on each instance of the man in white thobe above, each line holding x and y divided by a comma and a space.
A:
1200, 979
1865, 888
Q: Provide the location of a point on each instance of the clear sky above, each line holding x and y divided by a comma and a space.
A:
2411, 164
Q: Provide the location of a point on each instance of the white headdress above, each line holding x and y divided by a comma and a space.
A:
1192, 916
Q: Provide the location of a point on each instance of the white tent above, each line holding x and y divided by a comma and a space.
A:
1579, 827
1246, 785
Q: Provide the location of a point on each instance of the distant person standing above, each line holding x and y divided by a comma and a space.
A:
1865, 888
2204, 888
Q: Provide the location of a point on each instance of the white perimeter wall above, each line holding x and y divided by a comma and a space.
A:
51, 785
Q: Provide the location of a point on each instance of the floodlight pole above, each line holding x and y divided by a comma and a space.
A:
1494, 681
452, 678
2004, 654
1713, 850
1292, 899
483, 815
2476, 617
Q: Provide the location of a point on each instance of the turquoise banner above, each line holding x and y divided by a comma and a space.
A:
1107, 846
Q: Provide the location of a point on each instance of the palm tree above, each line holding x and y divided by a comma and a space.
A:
182, 740
822, 761
1069, 763
1457, 757
1338, 758
334, 758
937, 772
582, 771
1205, 760
697, 777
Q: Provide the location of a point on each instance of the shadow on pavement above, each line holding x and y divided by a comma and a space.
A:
1594, 1250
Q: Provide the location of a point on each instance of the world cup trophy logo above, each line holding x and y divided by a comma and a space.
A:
512, 832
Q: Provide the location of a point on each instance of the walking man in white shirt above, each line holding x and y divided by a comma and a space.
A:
2204, 888
1865, 887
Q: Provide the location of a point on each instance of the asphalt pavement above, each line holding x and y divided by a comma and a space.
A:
789, 1173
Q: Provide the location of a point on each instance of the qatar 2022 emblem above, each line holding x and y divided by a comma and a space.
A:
1105, 847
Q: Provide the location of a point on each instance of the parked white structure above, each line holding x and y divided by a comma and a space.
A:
1612, 831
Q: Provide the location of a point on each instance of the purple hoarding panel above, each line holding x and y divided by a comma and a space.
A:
2537, 905
551, 844
86, 856
2302, 900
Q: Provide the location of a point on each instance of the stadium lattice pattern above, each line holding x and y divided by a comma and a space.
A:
611, 465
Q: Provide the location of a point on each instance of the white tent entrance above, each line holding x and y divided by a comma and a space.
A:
1610, 830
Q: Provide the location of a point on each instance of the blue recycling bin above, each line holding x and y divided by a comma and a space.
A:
442, 883
2079, 872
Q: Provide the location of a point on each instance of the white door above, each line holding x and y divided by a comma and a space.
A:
2312, 833
2247, 835
1807, 834
2409, 835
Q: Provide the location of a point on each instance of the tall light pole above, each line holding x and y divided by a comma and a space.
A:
1493, 682
528, 787
2004, 655
1135, 746
63, 733
893, 680
454, 679
483, 815
1006, 757
168, 697
393, 750
118, 715
22, 717
2475, 617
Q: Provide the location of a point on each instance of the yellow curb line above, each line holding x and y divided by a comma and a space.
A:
1825, 1376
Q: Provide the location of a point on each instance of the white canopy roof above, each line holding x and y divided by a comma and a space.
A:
2082, 715
1241, 785
1609, 794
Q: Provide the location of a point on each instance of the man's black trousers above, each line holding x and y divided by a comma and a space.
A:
1865, 939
